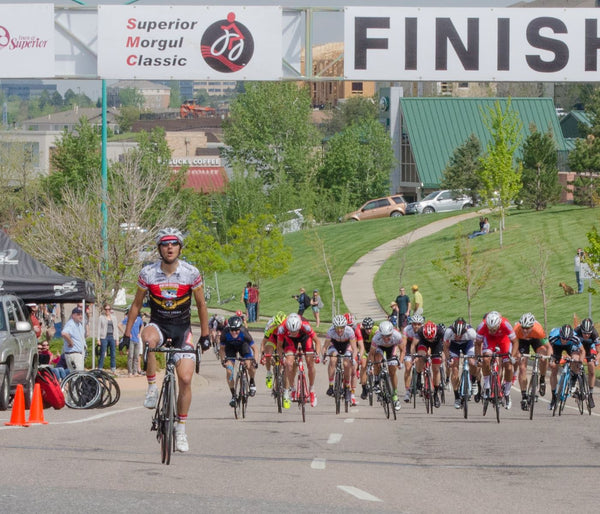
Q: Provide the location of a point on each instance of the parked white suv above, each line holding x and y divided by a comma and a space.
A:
440, 201
18, 350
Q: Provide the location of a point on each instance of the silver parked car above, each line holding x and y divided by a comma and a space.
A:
440, 201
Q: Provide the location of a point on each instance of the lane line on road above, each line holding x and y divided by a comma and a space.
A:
334, 438
349, 420
318, 464
359, 493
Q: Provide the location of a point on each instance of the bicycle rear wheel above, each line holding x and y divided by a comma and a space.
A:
442, 391
301, 388
585, 389
370, 388
413, 386
237, 394
564, 392
531, 394
582, 395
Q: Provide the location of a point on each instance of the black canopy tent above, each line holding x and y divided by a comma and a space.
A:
35, 282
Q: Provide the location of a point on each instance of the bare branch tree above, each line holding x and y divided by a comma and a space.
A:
539, 274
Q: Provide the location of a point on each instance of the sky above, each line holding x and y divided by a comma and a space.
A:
92, 88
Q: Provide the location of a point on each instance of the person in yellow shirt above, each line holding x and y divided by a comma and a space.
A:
417, 303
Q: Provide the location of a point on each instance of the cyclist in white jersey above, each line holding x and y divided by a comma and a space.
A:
388, 340
342, 341
409, 333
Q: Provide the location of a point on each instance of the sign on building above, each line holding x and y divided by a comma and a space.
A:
26, 41
471, 44
189, 42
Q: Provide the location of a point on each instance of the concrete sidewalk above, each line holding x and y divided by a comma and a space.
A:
357, 283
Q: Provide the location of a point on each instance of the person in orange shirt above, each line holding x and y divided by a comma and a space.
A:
531, 335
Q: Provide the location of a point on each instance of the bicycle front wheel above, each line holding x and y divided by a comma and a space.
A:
337, 391
580, 394
167, 422
385, 395
237, 394
585, 390
244, 392
301, 387
370, 389
464, 393
496, 395
563, 392
428, 392
277, 386
532, 393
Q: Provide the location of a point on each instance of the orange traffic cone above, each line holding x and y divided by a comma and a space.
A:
17, 417
36, 413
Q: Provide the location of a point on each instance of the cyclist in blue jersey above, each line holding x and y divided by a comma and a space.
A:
562, 339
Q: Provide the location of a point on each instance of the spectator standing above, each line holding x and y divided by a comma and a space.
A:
106, 334
74, 345
303, 301
403, 302
316, 305
578, 278
35, 321
417, 303
133, 363
245, 296
252, 303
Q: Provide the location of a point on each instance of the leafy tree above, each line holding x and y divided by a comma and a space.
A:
69, 97
540, 171
127, 116
131, 97
56, 100
269, 130
76, 159
585, 159
461, 172
355, 109
464, 270
357, 162
500, 178
202, 247
256, 248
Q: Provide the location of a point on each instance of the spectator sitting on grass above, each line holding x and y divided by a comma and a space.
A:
484, 229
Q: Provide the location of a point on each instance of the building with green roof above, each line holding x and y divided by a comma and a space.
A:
427, 131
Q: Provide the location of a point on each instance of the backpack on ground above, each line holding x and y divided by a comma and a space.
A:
52, 394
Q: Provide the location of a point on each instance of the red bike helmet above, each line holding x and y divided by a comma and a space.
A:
239, 313
430, 330
349, 318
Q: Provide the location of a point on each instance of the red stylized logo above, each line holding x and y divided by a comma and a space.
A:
227, 45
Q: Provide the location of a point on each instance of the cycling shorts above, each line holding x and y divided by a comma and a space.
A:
525, 344
436, 348
243, 349
339, 348
467, 348
290, 346
180, 336
390, 355
590, 351
503, 343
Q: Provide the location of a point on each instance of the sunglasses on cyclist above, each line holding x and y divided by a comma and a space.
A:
169, 243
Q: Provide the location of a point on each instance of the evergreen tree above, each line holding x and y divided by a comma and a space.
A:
461, 172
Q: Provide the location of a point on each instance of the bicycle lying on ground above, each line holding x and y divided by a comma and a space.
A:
163, 421
90, 389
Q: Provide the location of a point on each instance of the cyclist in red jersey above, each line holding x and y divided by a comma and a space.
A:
296, 330
497, 332
170, 284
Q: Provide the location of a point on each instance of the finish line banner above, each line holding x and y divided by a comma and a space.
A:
464, 44
189, 42
27, 41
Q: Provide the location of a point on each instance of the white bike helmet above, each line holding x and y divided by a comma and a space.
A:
417, 318
386, 328
169, 234
339, 321
493, 320
527, 320
293, 322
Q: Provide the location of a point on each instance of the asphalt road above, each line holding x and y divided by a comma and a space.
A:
108, 460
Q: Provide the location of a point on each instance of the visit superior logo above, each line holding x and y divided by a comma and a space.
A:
227, 45
19, 42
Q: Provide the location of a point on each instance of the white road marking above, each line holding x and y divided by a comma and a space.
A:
318, 464
349, 420
358, 493
334, 438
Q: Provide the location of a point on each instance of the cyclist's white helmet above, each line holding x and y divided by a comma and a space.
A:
527, 320
386, 328
417, 318
169, 234
293, 322
339, 321
493, 320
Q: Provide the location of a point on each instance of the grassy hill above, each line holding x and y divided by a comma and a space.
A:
510, 288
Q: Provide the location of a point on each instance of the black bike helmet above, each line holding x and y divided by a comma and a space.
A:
368, 323
235, 322
566, 332
459, 326
587, 325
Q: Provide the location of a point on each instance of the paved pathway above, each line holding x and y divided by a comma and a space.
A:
357, 283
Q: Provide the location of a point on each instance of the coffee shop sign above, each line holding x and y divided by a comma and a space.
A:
195, 161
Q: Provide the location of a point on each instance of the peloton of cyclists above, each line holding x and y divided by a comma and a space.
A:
390, 342
531, 335
590, 341
460, 337
341, 341
494, 332
563, 339
409, 333
430, 341
216, 324
296, 330
236, 340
